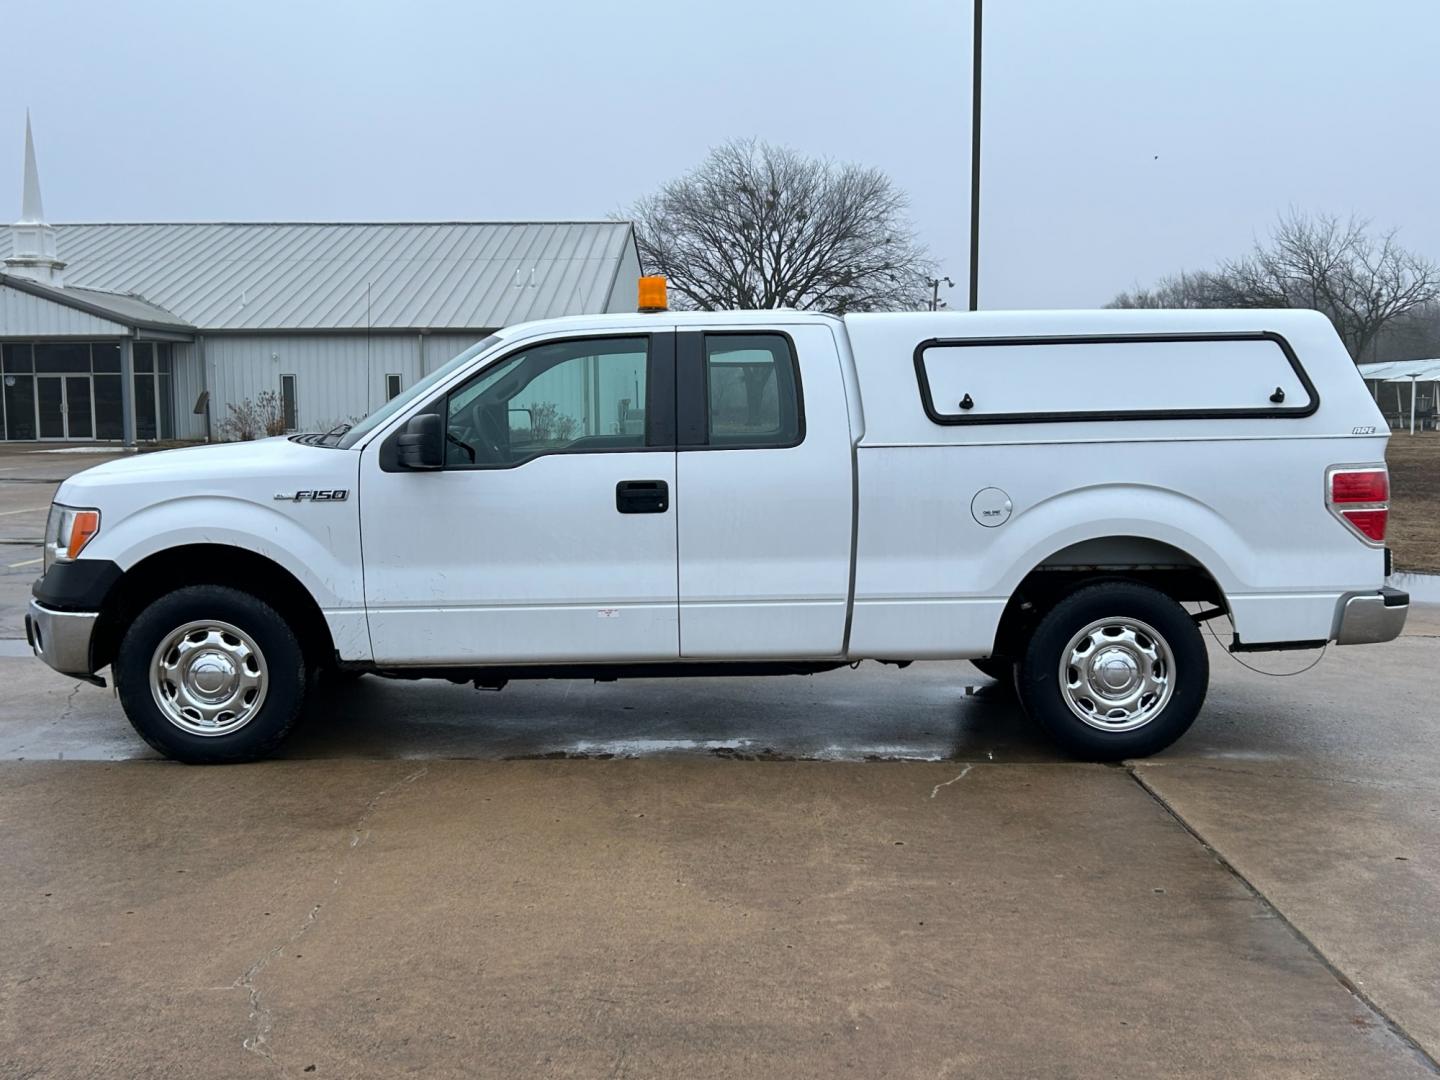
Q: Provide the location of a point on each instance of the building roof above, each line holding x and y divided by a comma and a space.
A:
347, 276
1401, 370
130, 310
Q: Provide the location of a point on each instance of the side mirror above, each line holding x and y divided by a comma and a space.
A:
422, 444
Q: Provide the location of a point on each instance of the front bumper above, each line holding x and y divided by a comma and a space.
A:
62, 638
1364, 618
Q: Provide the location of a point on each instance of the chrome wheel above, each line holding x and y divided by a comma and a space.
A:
208, 677
1117, 674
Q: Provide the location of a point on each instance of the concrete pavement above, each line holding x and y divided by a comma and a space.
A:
674, 917
412, 891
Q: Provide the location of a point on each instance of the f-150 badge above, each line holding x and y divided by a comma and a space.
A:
335, 495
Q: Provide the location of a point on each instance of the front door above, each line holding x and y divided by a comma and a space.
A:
549, 535
79, 424
63, 407
50, 405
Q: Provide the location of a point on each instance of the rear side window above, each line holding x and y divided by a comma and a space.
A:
753, 391
1153, 377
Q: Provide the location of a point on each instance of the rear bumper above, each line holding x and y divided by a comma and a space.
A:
1364, 618
61, 638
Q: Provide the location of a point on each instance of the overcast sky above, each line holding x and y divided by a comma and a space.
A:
1123, 138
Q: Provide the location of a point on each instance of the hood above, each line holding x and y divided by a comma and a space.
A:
276, 458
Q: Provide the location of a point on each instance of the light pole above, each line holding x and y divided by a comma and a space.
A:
935, 302
975, 166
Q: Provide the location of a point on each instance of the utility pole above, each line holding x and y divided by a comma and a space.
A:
935, 302
975, 166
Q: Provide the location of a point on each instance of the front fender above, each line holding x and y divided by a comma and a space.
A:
322, 552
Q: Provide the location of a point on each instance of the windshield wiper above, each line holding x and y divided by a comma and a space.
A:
337, 432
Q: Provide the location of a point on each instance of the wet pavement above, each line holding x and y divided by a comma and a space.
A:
870, 872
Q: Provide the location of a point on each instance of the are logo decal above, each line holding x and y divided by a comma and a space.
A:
319, 495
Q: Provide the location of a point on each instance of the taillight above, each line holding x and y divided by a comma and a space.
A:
1359, 495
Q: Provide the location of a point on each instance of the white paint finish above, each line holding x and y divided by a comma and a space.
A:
534, 564
1102, 378
32, 207
1260, 617
884, 347
765, 534
919, 543
923, 628
518, 565
24, 315
225, 494
350, 631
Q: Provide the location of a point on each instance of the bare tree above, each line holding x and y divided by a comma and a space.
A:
1362, 282
1183, 290
759, 226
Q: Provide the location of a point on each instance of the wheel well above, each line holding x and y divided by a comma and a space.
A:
1113, 558
211, 564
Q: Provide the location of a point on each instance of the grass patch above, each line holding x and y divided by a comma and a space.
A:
1414, 532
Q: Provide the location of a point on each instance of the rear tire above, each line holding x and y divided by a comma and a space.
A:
209, 674
1115, 670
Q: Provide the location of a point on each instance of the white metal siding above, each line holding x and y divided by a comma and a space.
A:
338, 377
188, 381
624, 294
440, 349
24, 315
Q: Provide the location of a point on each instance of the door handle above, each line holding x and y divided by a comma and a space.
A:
642, 496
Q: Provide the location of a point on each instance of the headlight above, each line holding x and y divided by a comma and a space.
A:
67, 531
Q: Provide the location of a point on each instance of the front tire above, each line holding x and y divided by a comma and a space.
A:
1115, 670
209, 674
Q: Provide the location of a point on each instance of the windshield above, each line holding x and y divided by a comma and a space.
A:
351, 436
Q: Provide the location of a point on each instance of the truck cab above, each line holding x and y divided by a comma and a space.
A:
1062, 498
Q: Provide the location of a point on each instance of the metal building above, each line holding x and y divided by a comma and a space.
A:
120, 339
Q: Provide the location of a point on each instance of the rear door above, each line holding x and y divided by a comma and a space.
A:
549, 535
764, 493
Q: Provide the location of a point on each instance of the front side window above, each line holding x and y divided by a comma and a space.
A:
575, 396
753, 392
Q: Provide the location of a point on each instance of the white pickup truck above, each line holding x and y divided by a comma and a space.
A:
755, 493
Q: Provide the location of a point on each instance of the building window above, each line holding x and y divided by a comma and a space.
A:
146, 414
19, 406
71, 390
287, 402
392, 387
109, 422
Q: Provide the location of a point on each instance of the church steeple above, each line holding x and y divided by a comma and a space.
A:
33, 253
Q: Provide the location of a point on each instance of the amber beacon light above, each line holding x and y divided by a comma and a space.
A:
652, 294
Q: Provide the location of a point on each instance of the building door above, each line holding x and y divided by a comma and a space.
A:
50, 405
63, 405
79, 424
